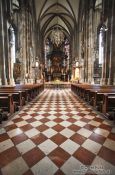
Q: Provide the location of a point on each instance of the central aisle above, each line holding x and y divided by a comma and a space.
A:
57, 134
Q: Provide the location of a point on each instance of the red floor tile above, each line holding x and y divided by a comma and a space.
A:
58, 139
10, 127
59, 172
18, 120
72, 120
107, 155
97, 138
59, 156
77, 138
90, 127
31, 120
42, 128
58, 120
8, 156
29, 172
111, 136
33, 156
74, 127
34, 114
19, 138
4, 137
98, 119
107, 127
58, 128
84, 156
44, 120
26, 127
23, 114
38, 139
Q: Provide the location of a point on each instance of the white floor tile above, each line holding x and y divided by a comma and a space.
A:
6, 145
32, 132
22, 123
70, 146
36, 123
51, 123
80, 123
64, 117
27, 117
100, 166
14, 132
65, 123
74, 112
89, 117
2, 131
47, 146
16, 167
9, 123
84, 132
49, 132
51, 117
73, 167
45, 166
92, 146
94, 123
110, 144
67, 132
25, 146
102, 132
39, 117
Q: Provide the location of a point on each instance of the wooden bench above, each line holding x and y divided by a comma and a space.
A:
14, 97
94, 95
108, 105
28, 91
17, 98
6, 103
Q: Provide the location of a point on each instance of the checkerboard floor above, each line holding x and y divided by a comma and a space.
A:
57, 134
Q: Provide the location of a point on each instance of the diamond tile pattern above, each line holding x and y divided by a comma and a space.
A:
57, 134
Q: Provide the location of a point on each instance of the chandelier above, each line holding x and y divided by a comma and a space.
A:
57, 36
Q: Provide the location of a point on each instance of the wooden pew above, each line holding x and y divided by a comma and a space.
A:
85, 90
1, 118
32, 90
94, 94
82, 89
17, 98
108, 104
6, 103
13, 96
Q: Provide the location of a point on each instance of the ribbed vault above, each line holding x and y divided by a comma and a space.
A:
52, 13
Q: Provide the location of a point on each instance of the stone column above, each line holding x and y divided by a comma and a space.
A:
11, 56
112, 48
3, 79
23, 45
90, 48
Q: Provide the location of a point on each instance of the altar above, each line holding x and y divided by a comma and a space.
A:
57, 84
57, 66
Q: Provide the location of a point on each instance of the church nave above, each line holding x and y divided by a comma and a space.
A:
57, 134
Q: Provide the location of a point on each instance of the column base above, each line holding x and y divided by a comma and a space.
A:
0, 81
103, 81
81, 80
12, 82
111, 81
5, 82
92, 82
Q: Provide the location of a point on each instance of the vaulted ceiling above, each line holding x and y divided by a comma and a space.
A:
51, 13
